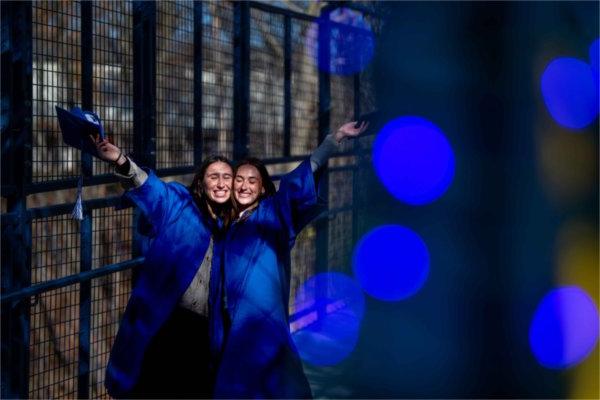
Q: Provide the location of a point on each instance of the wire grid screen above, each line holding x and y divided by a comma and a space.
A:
340, 227
54, 344
56, 80
111, 236
340, 241
55, 248
265, 135
305, 88
367, 100
110, 294
340, 188
342, 105
113, 74
303, 259
174, 84
217, 78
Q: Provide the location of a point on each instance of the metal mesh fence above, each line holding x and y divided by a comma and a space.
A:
55, 248
174, 84
341, 183
303, 261
305, 88
217, 78
54, 344
113, 74
265, 136
109, 298
111, 236
342, 104
340, 241
56, 75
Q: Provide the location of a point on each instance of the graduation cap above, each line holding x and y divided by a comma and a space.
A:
77, 125
375, 121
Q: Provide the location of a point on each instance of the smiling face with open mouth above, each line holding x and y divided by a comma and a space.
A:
247, 186
217, 182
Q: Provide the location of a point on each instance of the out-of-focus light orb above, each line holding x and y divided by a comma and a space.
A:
570, 91
413, 160
391, 262
595, 56
328, 330
351, 42
564, 329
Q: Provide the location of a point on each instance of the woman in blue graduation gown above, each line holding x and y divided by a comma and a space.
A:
250, 336
161, 348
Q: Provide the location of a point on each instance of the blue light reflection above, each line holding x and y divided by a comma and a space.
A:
564, 329
413, 160
570, 91
391, 262
351, 42
331, 306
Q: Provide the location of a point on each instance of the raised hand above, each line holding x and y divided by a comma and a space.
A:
108, 151
349, 131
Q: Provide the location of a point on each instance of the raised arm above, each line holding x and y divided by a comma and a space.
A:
332, 141
157, 200
298, 195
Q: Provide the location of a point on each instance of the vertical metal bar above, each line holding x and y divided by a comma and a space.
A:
322, 250
144, 82
6, 87
287, 85
241, 78
85, 263
322, 225
356, 192
356, 82
197, 82
16, 274
85, 307
144, 100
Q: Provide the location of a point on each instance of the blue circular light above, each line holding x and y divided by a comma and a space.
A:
595, 56
570, 91
351, 42
332, 318
564, 329
391, 262
413, 160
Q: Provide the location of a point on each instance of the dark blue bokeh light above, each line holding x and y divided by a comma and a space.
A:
351, 42
335, 309
570, 91
391, 262
413, 160
564, 329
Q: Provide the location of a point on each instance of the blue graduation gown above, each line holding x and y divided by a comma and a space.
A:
181, 238
257, 357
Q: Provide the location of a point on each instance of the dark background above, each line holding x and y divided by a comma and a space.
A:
495, 237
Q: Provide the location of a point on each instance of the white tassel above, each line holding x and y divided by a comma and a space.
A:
78, 210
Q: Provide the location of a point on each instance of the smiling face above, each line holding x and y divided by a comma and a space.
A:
247, 186
217, 182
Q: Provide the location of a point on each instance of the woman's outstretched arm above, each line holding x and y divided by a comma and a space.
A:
330, 145
131, 175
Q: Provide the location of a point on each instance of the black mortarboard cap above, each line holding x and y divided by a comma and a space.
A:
77, 125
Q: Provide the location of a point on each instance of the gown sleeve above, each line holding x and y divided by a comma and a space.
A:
298, 200
159, 202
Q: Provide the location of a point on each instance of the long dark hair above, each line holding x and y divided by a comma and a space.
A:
208, 207
267, 182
